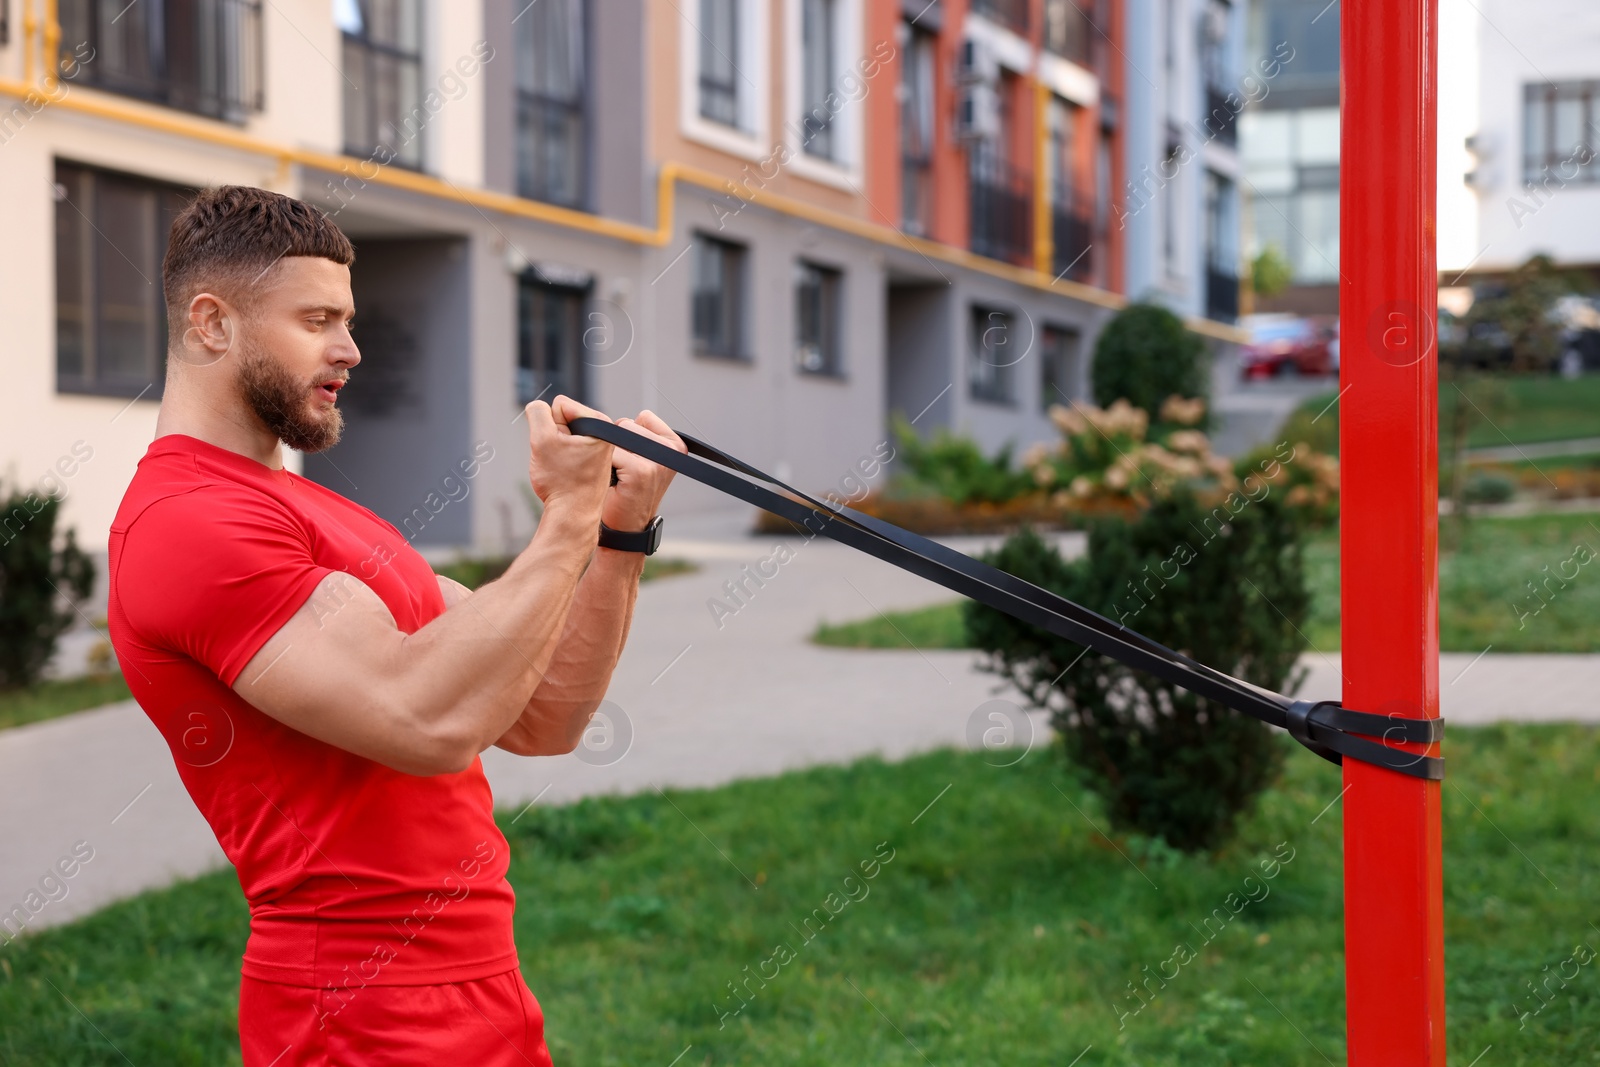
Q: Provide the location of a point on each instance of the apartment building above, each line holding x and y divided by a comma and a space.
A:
1534, 146
1290, 148
1187, 84
774, 222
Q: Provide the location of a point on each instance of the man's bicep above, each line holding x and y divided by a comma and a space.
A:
327, 672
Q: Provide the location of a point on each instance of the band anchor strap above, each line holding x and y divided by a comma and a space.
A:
1331, 731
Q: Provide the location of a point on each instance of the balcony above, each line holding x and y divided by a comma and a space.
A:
1072, 239
201, 56
1012, 14
1222, 294
1001, 211
1221, 122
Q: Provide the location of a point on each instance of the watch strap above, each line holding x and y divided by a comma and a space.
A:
646, 540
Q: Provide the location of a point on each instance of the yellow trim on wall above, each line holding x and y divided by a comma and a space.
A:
30, 26
1044, 251
50, 51
101, 105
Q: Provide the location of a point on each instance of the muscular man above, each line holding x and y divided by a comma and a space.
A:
326, 695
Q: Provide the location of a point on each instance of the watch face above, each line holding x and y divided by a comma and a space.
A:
654, 530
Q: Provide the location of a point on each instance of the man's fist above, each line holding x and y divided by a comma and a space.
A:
635, 499
567, 470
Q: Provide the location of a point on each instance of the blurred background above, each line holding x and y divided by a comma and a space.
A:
968, 264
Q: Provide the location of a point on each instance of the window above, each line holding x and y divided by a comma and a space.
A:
817, 46
719, 61
549, 341
1067, 30
1058, 365
1299, 25
1292, 163
817, 325
1219, 119
718, 300
1071, 242
551, 102
111, 321
1000, 194
383, 78
992, 344
1560, 123
197, 55
1170, 207
1012, 14
916, 132
1222, 250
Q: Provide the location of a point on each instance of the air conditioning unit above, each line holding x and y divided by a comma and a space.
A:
977, 112
976, 62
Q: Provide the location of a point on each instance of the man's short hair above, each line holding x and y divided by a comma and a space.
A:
228, 237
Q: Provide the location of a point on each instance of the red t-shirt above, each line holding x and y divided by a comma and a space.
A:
355, 873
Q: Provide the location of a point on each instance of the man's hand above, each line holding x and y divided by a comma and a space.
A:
567, 470
635, 499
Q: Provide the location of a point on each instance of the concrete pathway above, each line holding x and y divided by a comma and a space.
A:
1513, 453
693, 703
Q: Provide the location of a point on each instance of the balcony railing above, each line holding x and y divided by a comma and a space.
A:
1073, 243
1001, 211
1222, 294
1220, 121
202, 56
1012, 14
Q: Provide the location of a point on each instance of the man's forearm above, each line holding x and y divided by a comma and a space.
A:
595, 630
469, 671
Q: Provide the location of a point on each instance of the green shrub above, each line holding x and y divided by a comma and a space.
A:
954, 468
37, 577
1145, 354
1231, 594
1484, 488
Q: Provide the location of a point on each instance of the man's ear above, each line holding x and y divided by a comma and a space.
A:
211, 329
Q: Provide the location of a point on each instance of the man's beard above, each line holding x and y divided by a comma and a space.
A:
281, 402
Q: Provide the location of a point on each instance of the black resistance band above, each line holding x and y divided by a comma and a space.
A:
1323, 726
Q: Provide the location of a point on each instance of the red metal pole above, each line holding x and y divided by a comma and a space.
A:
1388, 534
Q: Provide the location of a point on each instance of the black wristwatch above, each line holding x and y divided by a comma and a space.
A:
646, 540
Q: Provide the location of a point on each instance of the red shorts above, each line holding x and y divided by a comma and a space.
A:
489, 1022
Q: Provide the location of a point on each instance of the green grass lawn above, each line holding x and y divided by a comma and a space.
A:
1533, 408
1003, 927
48, 700
1483, 595
936, 626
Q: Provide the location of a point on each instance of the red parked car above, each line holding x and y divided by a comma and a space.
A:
1289, 344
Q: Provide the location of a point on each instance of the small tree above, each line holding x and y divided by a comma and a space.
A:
1146, 354
1522, 309
39, 581
1270, 273
1223, 584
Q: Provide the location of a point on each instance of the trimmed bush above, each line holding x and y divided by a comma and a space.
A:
954, 468
37, 581
1226, 589
1145, 354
